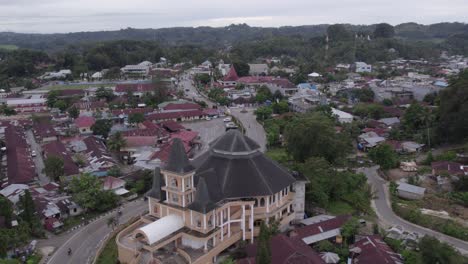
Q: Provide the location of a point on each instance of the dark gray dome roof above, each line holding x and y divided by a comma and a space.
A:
234, 142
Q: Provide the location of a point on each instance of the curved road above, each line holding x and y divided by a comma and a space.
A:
388, 218
86, 240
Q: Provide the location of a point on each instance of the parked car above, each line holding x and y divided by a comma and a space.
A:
227, 119
208, 118
33, 153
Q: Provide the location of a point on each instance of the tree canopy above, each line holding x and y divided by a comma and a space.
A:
87, 191
453, 121
54, 167
314, 135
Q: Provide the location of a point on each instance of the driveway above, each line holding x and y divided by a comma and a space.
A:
386, 216
85, 241
38, 160
253, 129
208, 131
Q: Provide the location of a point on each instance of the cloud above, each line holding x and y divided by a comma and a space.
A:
92, 15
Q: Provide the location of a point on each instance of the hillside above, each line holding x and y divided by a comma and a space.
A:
219, 37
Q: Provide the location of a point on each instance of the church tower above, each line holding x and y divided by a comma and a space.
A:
178, 176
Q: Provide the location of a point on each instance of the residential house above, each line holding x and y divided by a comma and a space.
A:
98, 157
44, 131
84, 124
140, 70
31, 105
447, 168
137, 89
201, 211
285, 250
361, 67
342, 116
178, 116
371, 250
115, 185
410, 192
20, 165
325, 230
258, 69
57, 149
92, 106
390, 121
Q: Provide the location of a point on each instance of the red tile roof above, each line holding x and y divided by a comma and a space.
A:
321, 227
56, 148
20, 166
231, 76
375, 250
449, 167
134, 87
90, 105
185, 106
175, 115
172, 125
85, 121
44, 130
285, 250
128, 111
185, 136
156, 132
140, 141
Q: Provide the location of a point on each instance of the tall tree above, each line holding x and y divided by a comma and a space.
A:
384, 30
29, 215
314, 135
87, 191
242, 68
102, 127
136, 118
116, 142
385, 156
73, 112
263, 246
54, 167
453, 122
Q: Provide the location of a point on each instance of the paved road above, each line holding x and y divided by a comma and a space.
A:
191, 91
386, 216
85, 241
253, 129
38, 160
208, 131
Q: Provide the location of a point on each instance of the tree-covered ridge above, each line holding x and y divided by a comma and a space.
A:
220, 36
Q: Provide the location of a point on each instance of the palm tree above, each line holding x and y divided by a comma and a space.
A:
116, 142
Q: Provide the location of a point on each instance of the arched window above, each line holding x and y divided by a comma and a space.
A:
274, 197
173, 182
256, 203
262, 202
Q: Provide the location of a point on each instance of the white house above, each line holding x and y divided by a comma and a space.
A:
343, 117
363, 67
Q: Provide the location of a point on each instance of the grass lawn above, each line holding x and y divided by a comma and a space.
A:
109, 253
8, 47
34, 259
340, 208
278, 154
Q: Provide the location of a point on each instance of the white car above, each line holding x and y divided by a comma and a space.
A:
33, 153
227, 119
208, 118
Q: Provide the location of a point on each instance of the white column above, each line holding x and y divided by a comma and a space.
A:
214, 240
206, 245
191, 217
243, 222
204, 221
251, 224
268, 204
277, 199
229, 221
167, 182
222, 225
183, 200
192, 186
183, 184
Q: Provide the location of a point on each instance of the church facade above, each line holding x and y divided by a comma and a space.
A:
199, 209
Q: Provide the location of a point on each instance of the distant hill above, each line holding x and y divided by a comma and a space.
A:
218, 37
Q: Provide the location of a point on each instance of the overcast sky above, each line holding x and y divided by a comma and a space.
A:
49, 16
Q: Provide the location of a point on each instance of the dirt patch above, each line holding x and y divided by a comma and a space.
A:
397, 174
